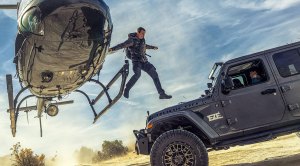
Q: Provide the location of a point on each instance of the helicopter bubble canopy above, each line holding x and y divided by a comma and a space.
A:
31, 22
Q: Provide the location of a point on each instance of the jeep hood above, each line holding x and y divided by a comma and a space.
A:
186, 106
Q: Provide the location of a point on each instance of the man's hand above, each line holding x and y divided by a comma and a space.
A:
155, 48
110, 51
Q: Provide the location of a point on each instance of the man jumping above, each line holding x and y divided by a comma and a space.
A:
136, 51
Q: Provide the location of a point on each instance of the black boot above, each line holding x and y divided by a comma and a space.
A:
164, 96
126, 93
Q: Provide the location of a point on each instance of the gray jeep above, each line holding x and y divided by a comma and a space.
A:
251, 99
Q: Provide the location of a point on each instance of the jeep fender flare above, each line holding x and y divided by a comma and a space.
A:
192, 118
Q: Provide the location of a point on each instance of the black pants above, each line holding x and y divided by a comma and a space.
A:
149, 69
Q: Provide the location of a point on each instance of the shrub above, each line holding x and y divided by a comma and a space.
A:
25, 157
114, 148
110, 149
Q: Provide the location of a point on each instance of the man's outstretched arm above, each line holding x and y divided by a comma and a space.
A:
125, 44
151, 47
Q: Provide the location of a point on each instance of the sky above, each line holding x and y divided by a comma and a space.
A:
191, 36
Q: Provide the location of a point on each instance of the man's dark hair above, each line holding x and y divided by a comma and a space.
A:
141, 29
255, 68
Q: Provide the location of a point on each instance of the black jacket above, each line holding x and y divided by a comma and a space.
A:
137, 47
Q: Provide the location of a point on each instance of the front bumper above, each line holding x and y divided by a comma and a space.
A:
142, 142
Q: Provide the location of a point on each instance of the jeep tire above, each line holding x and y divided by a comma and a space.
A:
180, 148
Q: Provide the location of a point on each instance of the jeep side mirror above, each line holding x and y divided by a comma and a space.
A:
209, 85
227, 85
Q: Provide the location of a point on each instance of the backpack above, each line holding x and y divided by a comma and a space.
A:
128, 50
128, 53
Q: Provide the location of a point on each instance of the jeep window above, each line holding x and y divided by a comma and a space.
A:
288, 62
247, 74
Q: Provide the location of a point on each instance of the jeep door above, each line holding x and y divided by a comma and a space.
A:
254, 100
286, 65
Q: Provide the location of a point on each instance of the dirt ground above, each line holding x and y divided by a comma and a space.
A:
283, 151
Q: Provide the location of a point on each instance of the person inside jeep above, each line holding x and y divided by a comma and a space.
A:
255, 77
136, 51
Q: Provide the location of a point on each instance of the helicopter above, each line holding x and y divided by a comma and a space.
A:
60, 45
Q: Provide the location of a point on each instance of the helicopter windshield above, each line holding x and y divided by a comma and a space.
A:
24, 4
31, 22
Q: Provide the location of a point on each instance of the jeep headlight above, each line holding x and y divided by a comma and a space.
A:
149, 126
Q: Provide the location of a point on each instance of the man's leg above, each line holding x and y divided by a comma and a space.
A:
137, 73
151, 70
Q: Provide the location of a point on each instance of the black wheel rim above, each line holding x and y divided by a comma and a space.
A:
178, 154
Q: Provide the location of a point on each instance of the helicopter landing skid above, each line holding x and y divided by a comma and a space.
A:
123, 72
15, 106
